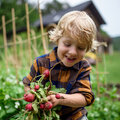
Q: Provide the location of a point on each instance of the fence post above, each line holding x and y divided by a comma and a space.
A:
28, 33
34, 38
42, 32
97, 76
21, 46
14, 41
5, 41
34, 46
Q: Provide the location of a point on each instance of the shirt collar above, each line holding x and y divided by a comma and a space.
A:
54, 60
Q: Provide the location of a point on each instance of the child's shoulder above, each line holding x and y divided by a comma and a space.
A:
42, 56
85, 63
41, 60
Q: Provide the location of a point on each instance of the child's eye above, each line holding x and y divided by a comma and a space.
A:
67, 44
81, 48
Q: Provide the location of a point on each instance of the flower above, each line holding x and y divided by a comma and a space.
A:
106, 109
8, 79
6, 106
21, 83
6, 97
17, 104
97, 99
92, 114
0, 108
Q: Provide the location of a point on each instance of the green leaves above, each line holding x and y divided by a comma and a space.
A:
104, 109
58, 90
41, 94
55, 115
2, 94
34, 105
32, 84
30, 117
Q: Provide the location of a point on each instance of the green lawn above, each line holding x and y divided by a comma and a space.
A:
111, 64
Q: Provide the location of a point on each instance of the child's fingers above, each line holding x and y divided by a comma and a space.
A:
49, 98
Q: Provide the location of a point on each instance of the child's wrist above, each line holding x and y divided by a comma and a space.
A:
62, 98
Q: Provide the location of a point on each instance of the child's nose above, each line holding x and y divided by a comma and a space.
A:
73, 51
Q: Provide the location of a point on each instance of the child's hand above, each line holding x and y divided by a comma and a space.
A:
26, 88
53, 100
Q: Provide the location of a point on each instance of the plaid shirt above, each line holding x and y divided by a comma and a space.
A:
75, 79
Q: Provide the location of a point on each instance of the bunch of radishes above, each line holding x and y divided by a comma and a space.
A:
37, 97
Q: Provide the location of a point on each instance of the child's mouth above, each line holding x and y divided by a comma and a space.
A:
70, 60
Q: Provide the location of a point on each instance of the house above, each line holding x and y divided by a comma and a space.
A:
88, 6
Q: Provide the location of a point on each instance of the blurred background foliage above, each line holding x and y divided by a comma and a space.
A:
19, 6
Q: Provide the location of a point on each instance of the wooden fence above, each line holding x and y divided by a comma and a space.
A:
17, 40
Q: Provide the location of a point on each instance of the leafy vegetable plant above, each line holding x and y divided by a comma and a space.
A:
38, 106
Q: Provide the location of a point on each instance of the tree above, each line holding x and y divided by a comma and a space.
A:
54, 6
19, 6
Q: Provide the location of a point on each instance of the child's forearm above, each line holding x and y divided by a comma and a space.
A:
73, 100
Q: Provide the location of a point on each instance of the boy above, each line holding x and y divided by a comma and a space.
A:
74, 36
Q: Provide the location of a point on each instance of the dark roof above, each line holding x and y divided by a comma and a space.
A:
54, 18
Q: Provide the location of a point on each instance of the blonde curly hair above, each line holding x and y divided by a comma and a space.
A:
79, 26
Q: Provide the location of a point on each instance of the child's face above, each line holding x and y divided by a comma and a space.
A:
70, 51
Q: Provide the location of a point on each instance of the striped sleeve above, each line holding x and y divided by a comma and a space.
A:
32, 74
83, 85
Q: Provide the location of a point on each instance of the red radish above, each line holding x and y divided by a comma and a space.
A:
42, 106
29, 97
29, 107
57, 96
48, 105
25, 95
46, 73
37, 87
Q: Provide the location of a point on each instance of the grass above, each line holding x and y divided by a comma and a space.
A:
110, 64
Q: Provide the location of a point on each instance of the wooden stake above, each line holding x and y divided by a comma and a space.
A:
21, 46
28, 33
35, 51
104, 63
5, 41
14, 33
97, 76
34, 46
42, 32
34, 38
14, 41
